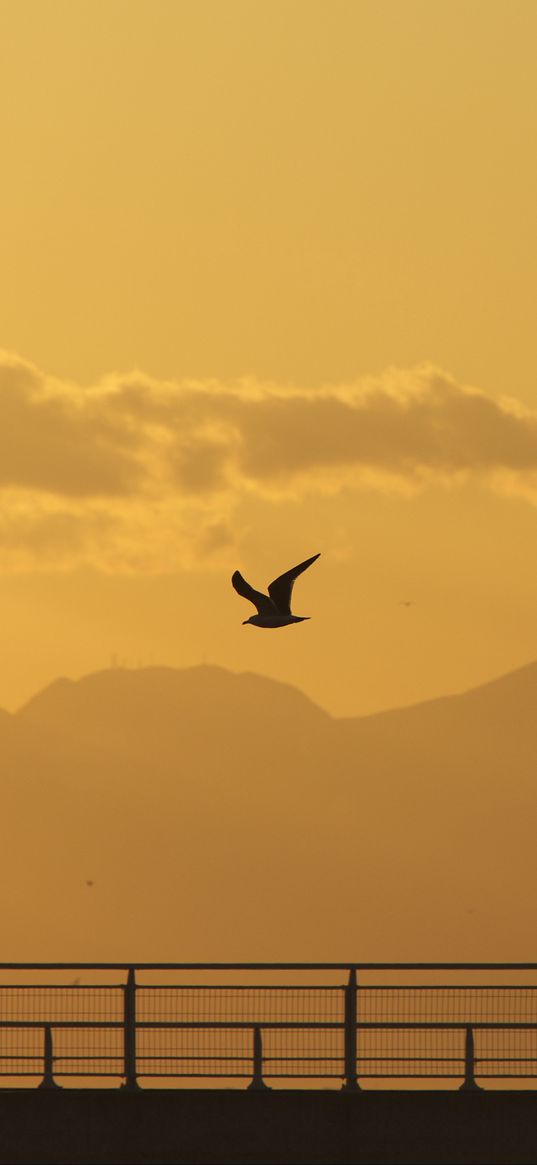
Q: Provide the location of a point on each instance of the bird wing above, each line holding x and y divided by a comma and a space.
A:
280, 589
262, 602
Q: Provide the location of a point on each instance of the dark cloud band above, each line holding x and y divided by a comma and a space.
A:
105, 463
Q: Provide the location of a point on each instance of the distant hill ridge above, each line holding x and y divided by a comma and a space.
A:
206, 682
168, 689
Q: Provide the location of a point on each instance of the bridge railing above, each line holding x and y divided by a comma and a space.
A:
330, 1023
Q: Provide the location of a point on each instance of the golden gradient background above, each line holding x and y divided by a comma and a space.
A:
268, 287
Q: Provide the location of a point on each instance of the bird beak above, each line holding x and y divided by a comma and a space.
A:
245, 621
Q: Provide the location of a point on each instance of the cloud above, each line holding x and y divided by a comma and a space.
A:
53, 438
140, 474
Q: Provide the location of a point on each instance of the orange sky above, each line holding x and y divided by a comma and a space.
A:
268, 289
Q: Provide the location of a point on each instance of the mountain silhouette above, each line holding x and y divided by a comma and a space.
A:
226, 816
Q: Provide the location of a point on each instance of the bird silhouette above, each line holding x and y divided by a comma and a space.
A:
274, 609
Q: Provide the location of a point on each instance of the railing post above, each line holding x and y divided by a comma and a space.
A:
129, 1032
469, 1064
351, 1083
257, 1084
48, 1080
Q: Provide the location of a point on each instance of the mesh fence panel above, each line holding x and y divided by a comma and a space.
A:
194, 1052
21, 1051
506, 1052
88, 1051
84, 1050
240, 1004
457, 1004
61, 1004
411, 1052
428, 1052
317, 1052
221, 1051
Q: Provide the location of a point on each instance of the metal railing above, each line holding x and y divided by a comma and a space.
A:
346, 1023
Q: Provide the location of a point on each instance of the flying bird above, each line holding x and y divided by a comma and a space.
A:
274, 609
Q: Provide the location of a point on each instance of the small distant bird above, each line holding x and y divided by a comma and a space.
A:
90, 883
274, 609
407, 603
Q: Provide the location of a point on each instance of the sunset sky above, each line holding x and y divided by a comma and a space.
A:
268, 288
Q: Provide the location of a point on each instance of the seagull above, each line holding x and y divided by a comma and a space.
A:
274, 609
